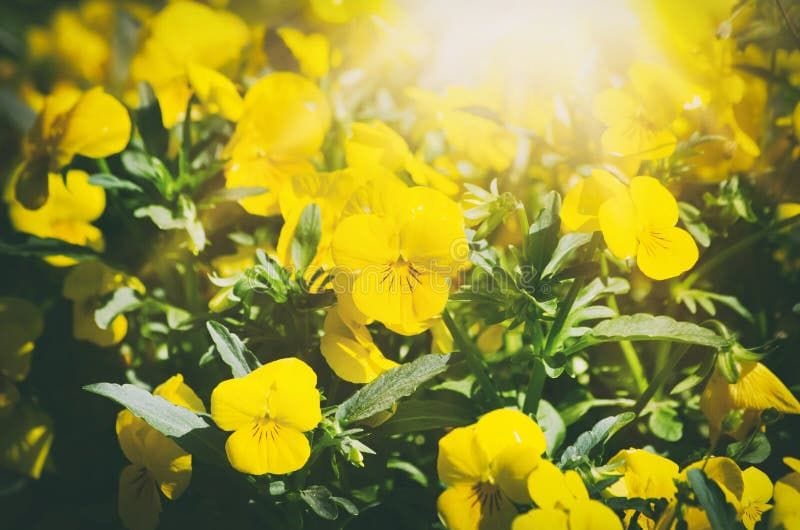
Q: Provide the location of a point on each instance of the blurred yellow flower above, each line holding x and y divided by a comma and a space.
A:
284, 122
484, 467
375, 144
349, 350
25, 440
21, 323
639, 117
268, 411
399, 268
73, 203
85, 285
92, 124
563, 503
756, 390
642, 223
313, 51
157, 462
342, 11
182, 53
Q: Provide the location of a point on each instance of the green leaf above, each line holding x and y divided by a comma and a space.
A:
664, 423
113, 182
347, 504
413, 472
417, 415
568, 244
603, 430
161, 216
752, 450
389, 387
306, 237
233, 194
553, 426
321, 502
37, 247
150, 168
721, 515
542, 236
149, 121
232, 350
123, 300
646, 327
191, 431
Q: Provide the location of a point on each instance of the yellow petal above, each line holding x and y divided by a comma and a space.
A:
217, 93
97, 126
424, 174
575, 485
760, 389
498, 429
248, 169
793, 463
655, 205
312, 51
237, 403
666, 252
21, 323
475, 507
84, 326
167, 463
613, 106
636, 137
547, 487
538, 519
441, 250
511, 468
619, 226
582, 202
756, 496
176, 391
362, 243
267, 447
138, 502
131, 432
644, 475
724, 472
786, 512
374, 143
593, 515
460, 459
350, 357
292, 404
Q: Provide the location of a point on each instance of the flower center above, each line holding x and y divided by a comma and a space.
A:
488, 495
401, 275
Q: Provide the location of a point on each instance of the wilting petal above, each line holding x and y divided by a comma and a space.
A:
266, 447
666, 252
138, 502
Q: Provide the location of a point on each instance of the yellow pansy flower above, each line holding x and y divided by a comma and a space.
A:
92, 124
21, 323
638, 118
642, 223
376, 144
284, 122
481, 140
399, 265
563, 503
25, 440
157, 462
312, 51
85, 285
180, 55
748, 491
350, 351
757, 390
484, 467
581, 206
268, 411
786, 513
67, 214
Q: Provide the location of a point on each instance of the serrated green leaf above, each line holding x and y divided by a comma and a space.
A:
389, 387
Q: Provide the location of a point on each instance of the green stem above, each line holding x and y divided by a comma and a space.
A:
102, 163
660, 379
524, 226
186, 143
474, 360
535, 387
724, 255
626, 346
564, 309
